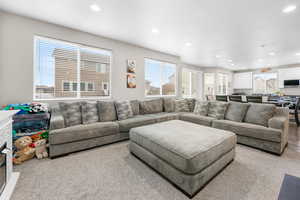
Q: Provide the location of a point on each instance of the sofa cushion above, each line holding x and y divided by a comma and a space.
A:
201, 108
217, 109
169, 104
71, 113
136, 121
135, 106
124, 110
89, 111
181, 105
186, 146
197, 119
191, 103
107, 111
151, 106
236, 111
161, 117
260, 113
83, 132
249, 130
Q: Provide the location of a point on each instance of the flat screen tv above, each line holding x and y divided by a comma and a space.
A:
291, 83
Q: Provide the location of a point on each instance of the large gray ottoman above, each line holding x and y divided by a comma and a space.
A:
187, 154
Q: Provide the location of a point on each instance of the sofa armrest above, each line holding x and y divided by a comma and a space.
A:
278, 122
57, 121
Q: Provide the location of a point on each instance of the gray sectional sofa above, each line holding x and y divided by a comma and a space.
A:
81, 125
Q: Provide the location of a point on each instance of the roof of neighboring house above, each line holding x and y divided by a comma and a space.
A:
85, 56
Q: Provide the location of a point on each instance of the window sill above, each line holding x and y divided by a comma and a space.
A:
74, 99
161, 96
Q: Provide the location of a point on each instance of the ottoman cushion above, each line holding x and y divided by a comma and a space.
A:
186, 146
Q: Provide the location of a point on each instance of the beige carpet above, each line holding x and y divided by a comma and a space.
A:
110, 172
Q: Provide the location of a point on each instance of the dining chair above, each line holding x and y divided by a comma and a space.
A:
209, 97
222, 98
254, 99
237, 98
294, 112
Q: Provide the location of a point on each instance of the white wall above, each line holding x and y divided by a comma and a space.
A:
16, 57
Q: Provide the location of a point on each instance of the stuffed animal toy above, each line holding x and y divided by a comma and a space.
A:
41, 149
25, 151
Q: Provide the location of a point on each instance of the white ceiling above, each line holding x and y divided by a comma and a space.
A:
232, 29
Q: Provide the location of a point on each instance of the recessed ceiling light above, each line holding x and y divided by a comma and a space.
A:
298, 54
155, 30
289, 8
232, 64
272, 53
95, 8
188, 44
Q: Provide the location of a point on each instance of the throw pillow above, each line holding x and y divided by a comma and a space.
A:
135, 106
71, 113
181, 105
89, 112
236, 111
169, 104
201, 108
107, 111
124, 109
151, 106
260, 113
217, 109
191, 103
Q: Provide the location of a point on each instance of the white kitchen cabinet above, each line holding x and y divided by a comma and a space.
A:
242, 80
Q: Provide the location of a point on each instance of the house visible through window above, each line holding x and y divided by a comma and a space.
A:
60, 66
160, 78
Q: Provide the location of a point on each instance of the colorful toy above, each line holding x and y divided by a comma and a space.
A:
41, 149
25, 150
36, 107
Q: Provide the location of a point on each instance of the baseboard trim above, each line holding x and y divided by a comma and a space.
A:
9, 189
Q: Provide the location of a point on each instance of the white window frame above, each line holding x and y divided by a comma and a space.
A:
161, 77
219, 83
214, 84
190, 71
78, 46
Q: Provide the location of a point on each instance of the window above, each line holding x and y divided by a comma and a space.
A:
209, 84
189, 83
90, 86
82, 86
265, 83
101, 67
160, 78
65, 70
222, 84
74, 86
66, 86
